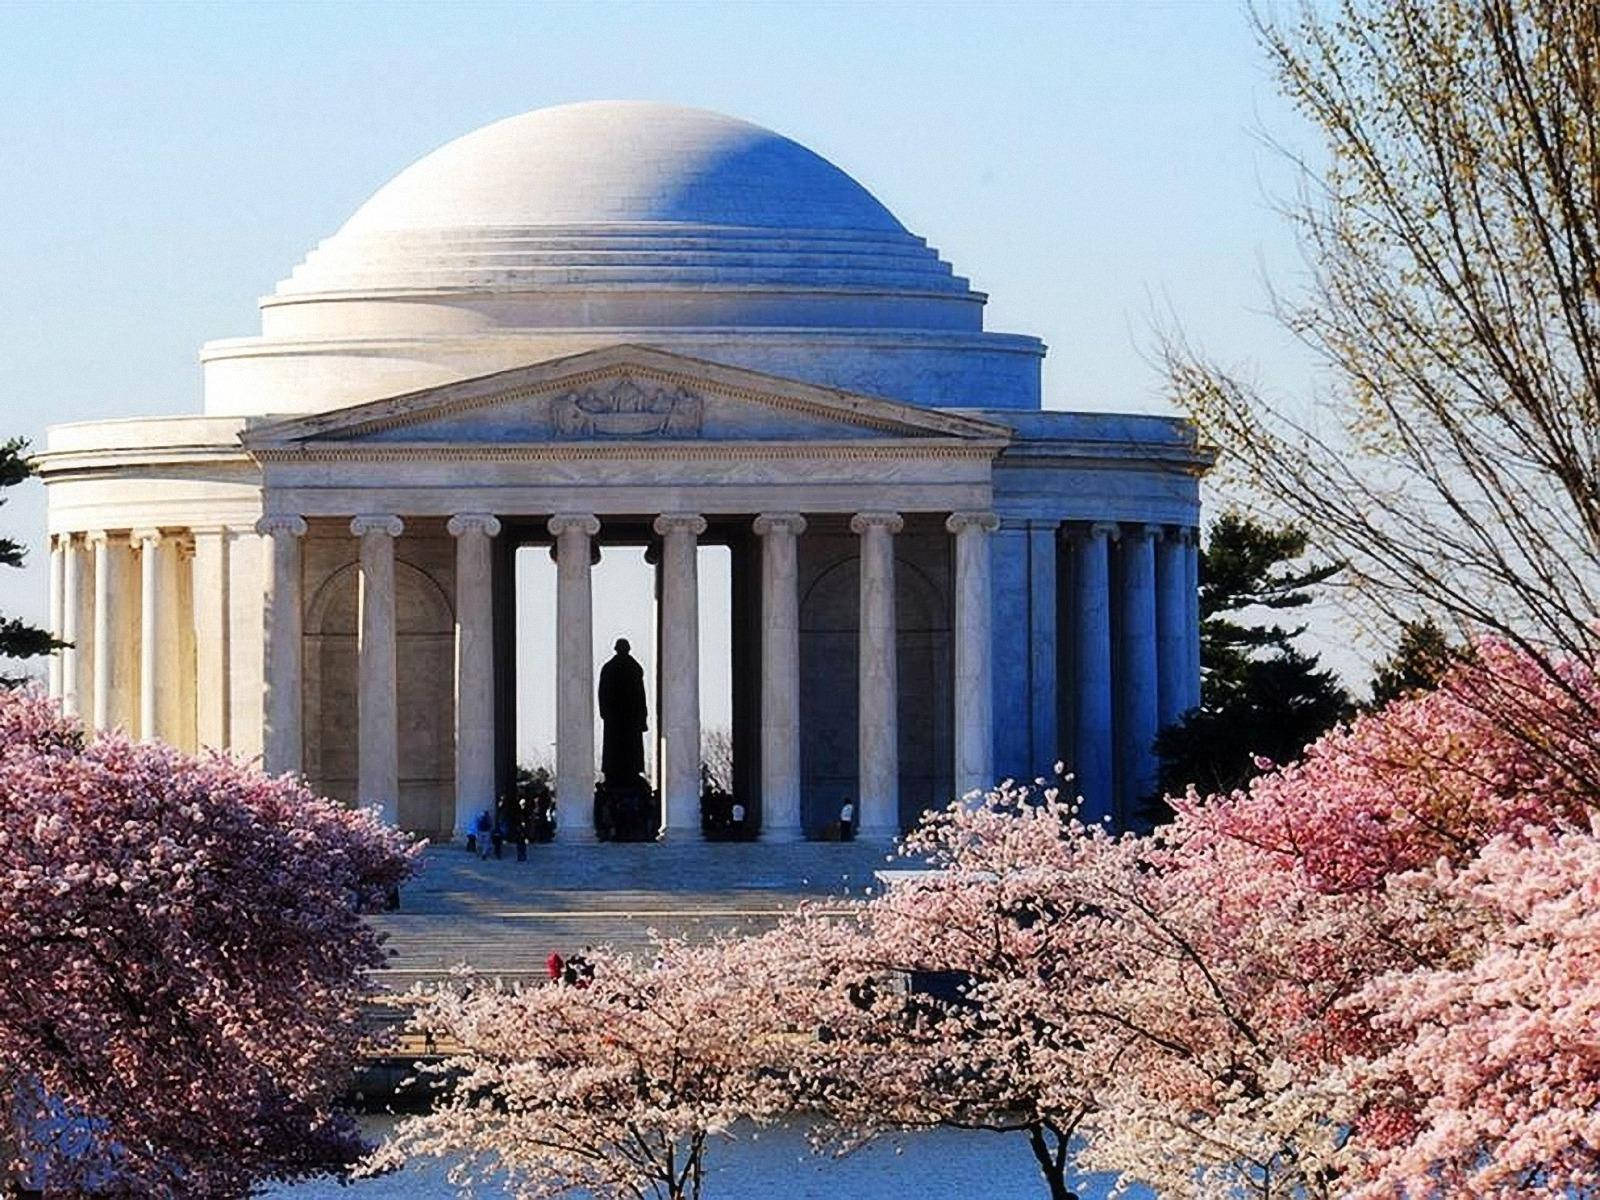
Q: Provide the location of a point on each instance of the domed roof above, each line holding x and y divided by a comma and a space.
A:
611, 162
622, 195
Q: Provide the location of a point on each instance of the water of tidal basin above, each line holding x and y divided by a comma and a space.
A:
936, 1165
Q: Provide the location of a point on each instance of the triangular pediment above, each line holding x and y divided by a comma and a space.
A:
622, 394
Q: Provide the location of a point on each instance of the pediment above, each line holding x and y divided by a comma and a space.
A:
621, 395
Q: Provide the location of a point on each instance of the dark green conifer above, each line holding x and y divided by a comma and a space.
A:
17, 638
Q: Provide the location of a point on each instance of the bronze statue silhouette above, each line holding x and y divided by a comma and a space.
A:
624, 716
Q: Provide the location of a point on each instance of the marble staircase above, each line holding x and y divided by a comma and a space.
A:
503, 917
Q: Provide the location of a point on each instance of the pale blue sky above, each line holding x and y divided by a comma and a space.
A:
165, 164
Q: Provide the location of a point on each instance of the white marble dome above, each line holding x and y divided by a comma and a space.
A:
621, 162
571, 227
622, 195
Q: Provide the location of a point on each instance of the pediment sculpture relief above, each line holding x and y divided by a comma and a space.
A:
626, 408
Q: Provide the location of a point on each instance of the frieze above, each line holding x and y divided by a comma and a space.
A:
625, 408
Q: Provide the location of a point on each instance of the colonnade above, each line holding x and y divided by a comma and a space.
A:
679, 717
1135, 655
124, 602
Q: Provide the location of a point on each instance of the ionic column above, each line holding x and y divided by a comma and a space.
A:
1092, 755
680, 673
99, 543
282, 648
1191, 586
74, 661
1043, 544
878, 753
780, 676
377, 701
115, 659
58, 570
974, 697
474, 534
153, 602
1140, 685
213, 636
574, 676
1172, 621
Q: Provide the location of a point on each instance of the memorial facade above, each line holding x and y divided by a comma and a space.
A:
626, 323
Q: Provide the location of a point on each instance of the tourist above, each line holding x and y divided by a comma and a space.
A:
485, 827
579, 971
847, 820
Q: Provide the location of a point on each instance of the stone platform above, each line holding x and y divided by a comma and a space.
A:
504, 917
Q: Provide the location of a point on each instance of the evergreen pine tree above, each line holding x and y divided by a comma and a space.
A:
1420, 659
1260, 695
17, 639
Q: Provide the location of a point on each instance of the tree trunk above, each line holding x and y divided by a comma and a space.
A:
1052, 1161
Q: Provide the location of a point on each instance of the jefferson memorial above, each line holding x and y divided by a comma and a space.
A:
626, 324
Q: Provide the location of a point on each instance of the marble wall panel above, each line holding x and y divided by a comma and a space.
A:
829, 635
425, 654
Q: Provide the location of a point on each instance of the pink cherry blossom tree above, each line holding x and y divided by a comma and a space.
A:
1495, 1044
612, 1087
1300, 949
182, 958
929, 994
1231, 1007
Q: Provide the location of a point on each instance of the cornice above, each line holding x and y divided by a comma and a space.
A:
695, 451
1024, 454
52, 464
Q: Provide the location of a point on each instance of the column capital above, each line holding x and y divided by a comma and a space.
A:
985, 522
779, 522
281, 524
1148, 530
1096, 530
96, 537
679, 523
585, 523
482, 523
148, 534
863, 521
384, 523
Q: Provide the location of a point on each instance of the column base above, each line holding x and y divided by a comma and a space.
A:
783, 835
885, 834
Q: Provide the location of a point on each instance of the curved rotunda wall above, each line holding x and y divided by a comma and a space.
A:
591, 224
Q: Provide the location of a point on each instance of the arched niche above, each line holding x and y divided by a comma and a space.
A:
424, 651
830, 614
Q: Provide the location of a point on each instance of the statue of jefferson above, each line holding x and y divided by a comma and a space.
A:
624, 716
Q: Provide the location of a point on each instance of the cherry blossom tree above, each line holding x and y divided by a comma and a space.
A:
1299, 955
928, 999
1105, 999
1496, 1042
614, 1086
182, 958
1250, 1002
